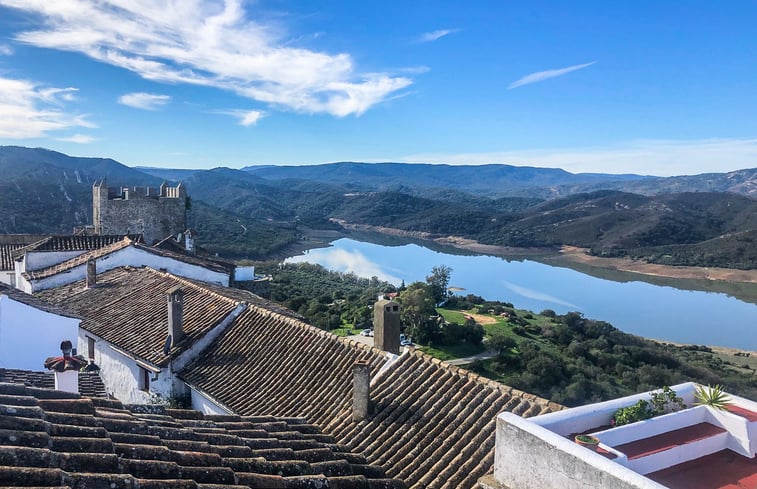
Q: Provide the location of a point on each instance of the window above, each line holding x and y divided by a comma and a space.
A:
91, 348
144, 379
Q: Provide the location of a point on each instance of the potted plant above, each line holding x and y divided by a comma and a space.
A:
712, 396
588, 441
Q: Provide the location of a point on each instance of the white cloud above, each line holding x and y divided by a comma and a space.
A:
546, 75
436, 35
647, 157
208, 43
28, 110
78, 139
144, 101
6, 50
246, 117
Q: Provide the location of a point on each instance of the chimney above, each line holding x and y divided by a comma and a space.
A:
386, 326
91, 273
175, 314
361, 382
66, 368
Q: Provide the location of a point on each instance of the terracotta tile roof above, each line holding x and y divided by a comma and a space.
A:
432, 425
128, 309
52, 438
80, 242
90, 383
77, 260
265, 363
10, 243
125, 242
35, 302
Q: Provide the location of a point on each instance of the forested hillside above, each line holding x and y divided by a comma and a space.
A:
248, 214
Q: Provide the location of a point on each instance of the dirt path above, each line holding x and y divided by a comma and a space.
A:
480, 319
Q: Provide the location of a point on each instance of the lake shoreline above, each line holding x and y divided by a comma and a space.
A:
570, 255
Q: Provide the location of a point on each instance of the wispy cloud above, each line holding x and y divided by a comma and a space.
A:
28, 110
210, 43
436, 35
647, 157
246, 117
6, 50
78, 139
546, 75
144, 101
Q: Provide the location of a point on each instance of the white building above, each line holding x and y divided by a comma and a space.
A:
37, 271
31, 330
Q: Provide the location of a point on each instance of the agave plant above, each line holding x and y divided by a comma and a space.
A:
712, 396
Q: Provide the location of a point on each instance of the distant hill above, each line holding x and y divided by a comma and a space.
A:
705, 220
43, 191
491, 180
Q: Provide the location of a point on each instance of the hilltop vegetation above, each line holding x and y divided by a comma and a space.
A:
567, 358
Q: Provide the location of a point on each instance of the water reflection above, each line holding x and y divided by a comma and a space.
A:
657, 311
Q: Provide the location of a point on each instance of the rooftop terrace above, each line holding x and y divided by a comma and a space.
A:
698, 447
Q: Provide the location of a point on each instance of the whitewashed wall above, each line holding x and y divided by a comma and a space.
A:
133, 257
206, 405
28, 336
8, 278
35, 260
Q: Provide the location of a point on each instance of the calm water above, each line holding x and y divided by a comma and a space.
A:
664, 312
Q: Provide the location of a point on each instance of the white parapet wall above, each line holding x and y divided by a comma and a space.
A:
529, 456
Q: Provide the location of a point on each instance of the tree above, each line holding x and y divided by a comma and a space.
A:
501, 343
439, 281
418, 313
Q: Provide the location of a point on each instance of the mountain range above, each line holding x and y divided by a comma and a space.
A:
694, 220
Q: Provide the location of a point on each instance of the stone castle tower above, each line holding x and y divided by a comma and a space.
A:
156, 213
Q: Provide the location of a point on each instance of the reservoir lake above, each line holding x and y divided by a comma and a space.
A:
685, 311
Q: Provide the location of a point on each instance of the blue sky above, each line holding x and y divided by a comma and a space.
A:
663, 88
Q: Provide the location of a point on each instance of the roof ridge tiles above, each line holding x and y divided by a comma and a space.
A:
194, 285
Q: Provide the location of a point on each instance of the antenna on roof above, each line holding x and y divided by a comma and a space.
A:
167, 345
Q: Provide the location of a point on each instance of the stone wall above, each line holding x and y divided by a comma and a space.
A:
156, 213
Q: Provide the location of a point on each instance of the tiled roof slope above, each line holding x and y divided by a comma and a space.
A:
9, 243
36, 302
80, 242
57, 439
432, 425
77, 260
125, 242
265, 363
128, 309
90, 383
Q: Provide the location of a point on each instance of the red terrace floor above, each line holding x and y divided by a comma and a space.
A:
666, 441
722, 470
751, 416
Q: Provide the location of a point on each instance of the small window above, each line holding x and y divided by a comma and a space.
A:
395, 308
144, 379
90, 348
